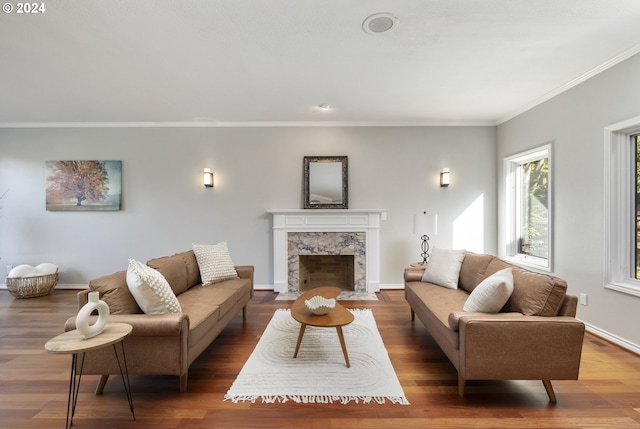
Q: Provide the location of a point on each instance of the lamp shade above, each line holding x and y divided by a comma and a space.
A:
445, 177
425, 224
207, 178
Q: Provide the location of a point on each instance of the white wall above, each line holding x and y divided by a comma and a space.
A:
574, 122
166, 208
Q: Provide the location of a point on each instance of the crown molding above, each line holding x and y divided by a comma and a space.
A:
241, 124
572, 83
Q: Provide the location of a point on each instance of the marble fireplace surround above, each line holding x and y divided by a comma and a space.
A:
351, 225
327, 243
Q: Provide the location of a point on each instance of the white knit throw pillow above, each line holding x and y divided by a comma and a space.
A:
214, 262
150, 289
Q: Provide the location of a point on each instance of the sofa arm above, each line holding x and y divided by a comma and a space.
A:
525, 348
245, 271
456, 316
145, 325
413, 274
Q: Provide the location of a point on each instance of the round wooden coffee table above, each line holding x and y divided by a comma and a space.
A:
336, 318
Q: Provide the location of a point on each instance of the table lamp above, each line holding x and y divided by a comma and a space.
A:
425, 224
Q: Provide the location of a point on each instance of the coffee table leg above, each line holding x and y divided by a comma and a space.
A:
300, 335
344, 346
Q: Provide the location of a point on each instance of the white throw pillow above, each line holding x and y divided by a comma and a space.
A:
25, 270
47, 268
443, 268
150, 289
22, 271
214, 262
492, 293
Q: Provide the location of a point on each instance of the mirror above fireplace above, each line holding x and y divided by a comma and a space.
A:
326, 182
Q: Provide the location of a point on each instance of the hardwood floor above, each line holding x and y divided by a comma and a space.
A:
34, 383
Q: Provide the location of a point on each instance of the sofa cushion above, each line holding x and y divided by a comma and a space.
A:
534, 294
432, 305
215, 262
440, 301
113, 290
174, 270
150, 289
492, 293
242, 286
473, 269
193, 271
205, 306
444, 267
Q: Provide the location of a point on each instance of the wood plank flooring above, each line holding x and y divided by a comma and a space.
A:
34, 383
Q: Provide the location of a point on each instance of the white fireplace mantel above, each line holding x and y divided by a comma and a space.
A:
329, 220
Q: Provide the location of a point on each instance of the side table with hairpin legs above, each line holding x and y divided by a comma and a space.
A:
74, 343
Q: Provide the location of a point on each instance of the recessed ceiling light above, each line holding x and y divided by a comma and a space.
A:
379, 23
325, 107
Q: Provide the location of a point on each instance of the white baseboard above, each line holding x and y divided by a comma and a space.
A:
628, 345
255, 286
392, 286
59, 286
263, 287
382, 286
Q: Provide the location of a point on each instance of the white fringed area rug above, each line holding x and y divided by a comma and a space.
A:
319, 373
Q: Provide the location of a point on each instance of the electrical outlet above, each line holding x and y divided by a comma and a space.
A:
583, 299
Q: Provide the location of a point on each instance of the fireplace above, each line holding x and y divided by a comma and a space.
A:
322, 257
329, 235
326, 270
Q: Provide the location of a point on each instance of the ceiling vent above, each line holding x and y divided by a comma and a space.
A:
380, 23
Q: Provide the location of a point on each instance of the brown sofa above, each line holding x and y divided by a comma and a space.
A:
167, 344
534, 337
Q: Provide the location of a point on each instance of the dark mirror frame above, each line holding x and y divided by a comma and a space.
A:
345, 182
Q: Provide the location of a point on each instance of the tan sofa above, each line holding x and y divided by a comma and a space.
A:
167, 344
534, 337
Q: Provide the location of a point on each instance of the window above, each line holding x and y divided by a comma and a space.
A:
622, 199
528, 208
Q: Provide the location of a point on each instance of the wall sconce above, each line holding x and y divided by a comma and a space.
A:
207, 178
444, 178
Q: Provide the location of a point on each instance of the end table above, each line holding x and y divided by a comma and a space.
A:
74, 343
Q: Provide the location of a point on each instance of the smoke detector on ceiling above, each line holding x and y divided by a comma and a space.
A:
380, 23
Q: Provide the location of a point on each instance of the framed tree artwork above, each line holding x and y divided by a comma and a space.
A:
83, 185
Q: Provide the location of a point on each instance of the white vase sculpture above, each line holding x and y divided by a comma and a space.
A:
82, 319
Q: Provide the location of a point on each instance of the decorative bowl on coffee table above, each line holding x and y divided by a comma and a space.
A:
320, 305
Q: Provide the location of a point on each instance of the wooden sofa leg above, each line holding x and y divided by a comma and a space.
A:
183, 382
244, 313
549, 388
101, 384
461, 385
413, 315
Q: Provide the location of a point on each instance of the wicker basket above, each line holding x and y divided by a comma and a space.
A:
31, 287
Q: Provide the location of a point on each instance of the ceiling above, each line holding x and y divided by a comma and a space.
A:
259, 62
